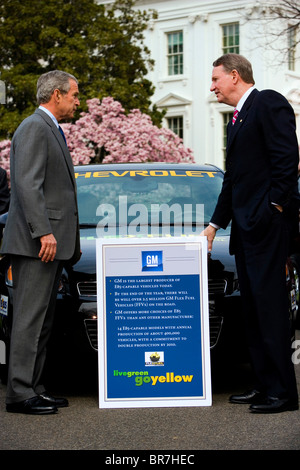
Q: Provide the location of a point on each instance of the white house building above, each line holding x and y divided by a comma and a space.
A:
188, 36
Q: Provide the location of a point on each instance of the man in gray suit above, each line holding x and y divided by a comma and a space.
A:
41, 234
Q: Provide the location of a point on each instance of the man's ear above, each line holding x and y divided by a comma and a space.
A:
56, 95
235, 75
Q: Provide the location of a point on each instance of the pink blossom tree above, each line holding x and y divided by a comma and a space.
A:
4, 155
106, 134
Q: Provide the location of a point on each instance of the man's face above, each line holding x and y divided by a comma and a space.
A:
69, 102
222, 85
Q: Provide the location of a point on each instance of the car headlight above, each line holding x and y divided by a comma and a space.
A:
8, 277
63, 285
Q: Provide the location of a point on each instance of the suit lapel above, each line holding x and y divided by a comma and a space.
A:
61, 142
232, 131
65, 151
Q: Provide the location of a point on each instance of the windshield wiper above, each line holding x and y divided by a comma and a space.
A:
87, 225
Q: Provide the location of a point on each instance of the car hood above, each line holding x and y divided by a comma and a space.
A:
220, 263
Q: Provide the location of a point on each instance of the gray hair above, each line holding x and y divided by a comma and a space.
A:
50, 81
237, 62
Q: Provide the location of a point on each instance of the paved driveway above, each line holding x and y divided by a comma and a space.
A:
83, 426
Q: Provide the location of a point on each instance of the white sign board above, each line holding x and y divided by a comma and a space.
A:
153, 323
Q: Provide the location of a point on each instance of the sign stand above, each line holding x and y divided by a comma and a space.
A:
153, 325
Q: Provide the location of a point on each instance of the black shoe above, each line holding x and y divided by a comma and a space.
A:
33, 406
58, 402
274, 405
250, 397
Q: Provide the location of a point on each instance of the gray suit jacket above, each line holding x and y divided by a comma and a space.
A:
43, 191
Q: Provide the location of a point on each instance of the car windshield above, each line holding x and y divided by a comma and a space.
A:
119, 199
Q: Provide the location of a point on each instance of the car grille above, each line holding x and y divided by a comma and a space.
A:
215, 325
89, 289
91, 328
215, 286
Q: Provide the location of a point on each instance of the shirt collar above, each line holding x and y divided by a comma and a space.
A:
50, 115
243, 98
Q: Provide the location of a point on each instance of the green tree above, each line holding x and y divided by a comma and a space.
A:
101, 45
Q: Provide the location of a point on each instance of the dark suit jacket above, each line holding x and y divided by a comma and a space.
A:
43, 191
261, 167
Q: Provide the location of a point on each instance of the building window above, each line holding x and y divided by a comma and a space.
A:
226, 118
175, 53
176, 125
292, 41
231, 38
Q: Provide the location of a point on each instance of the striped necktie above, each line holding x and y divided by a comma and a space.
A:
235, 115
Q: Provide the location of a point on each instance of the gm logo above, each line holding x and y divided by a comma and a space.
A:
152, 261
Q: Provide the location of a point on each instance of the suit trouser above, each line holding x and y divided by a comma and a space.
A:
35, 287
262, 279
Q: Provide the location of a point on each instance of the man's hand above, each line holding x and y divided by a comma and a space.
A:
48, 248
210, 233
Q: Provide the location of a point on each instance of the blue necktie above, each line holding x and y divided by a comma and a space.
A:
62, 133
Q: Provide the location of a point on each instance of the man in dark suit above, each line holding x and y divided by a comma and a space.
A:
41, 234
260, 197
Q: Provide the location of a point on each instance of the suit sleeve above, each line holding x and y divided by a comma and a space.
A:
223, 212
30, 160
279, 134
